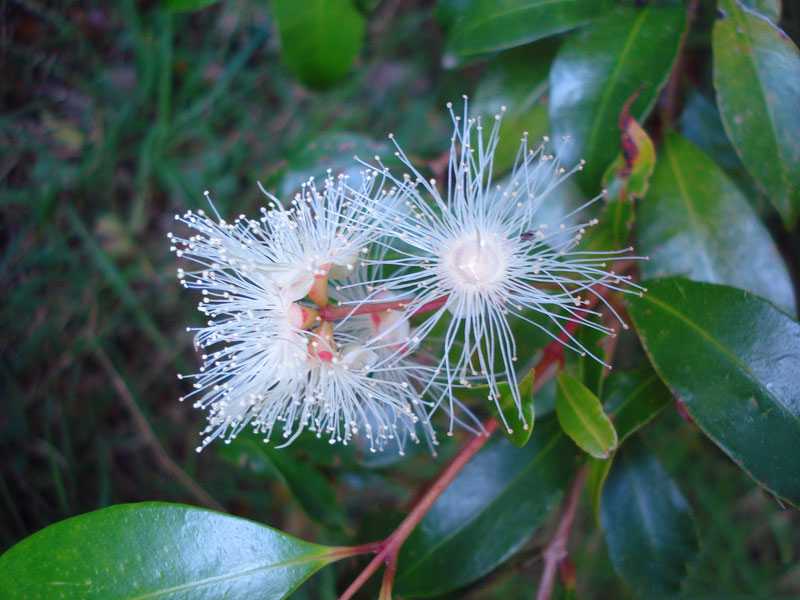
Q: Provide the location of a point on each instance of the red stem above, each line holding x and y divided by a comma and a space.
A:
388, 549
334, 313
556, 550
392, 544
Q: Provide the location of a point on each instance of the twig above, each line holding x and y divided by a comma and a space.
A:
334, 313
387, 550
169, 466
556, 550
391, 545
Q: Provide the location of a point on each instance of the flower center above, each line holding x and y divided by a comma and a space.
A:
476, 261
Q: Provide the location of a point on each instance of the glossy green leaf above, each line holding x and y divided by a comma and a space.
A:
680, 228
188, 5
491, 25
701, 124
582, 418
518, 81
320, 39
633, 399
158, 550
490, 510
648, 524
313, 492
598, 70
757, 80
733, 359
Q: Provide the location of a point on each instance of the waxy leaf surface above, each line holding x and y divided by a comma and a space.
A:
158, 550
733, 359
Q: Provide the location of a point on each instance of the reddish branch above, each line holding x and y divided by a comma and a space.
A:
334, 313
390, 547
387, 550
555, 554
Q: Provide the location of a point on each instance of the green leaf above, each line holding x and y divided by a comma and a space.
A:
597, 70
491, 25
517, 80
769, 8
679, 228
582, 418
648, 524
733, 359
320, 39
701, 124
313, 492
490, 510
633, 399
757, 80
159, 550
519, 430
188, 5
597, 474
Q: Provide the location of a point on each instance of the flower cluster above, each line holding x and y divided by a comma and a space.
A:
321, 315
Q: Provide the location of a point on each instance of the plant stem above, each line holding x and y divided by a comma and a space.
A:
335, 313
556, 550
388, 550
391, 545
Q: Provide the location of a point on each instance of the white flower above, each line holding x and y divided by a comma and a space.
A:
267, 360
478, 256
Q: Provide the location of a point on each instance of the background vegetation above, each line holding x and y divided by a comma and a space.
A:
116, 115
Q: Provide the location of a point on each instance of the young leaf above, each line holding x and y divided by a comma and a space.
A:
597, 70
648, 524
628, 177
320, 39
489, 25
632, 399
155, 550
582, 418
679, 228
490, 510
733, 359
757, 80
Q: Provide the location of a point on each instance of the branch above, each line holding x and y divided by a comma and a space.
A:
391, 545
335, 313
387, 551
556, 551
